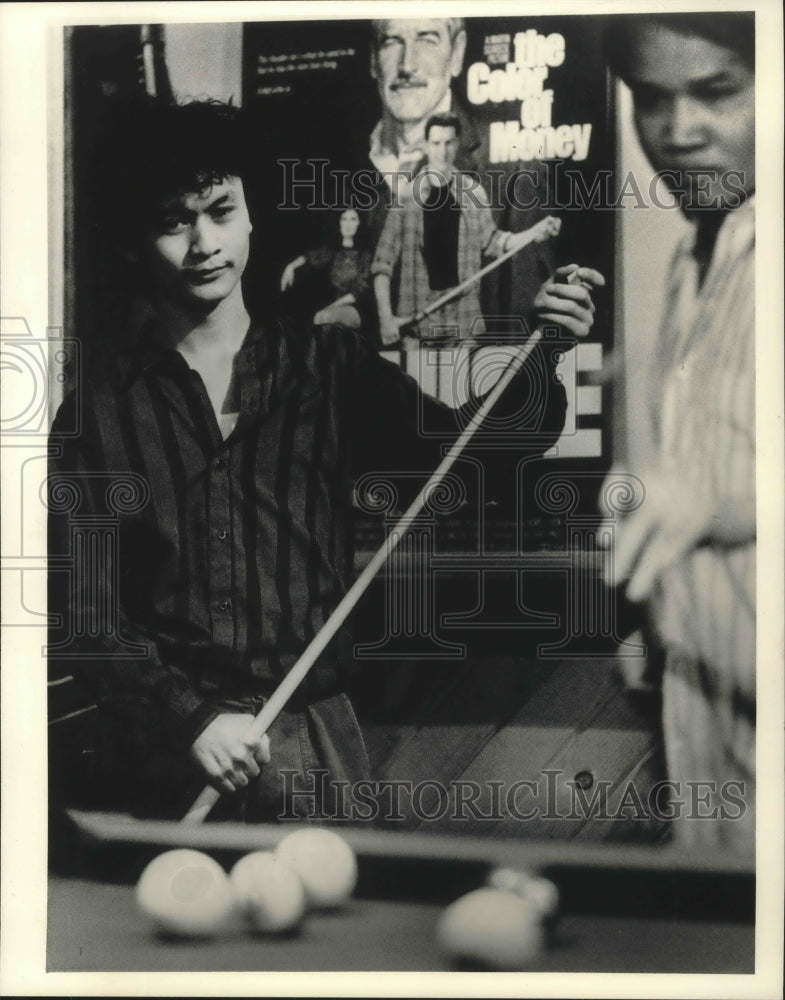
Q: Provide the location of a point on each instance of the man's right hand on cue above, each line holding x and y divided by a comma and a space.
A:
227, 755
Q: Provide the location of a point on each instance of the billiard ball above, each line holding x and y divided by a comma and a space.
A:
493, 928
539, 891
186, 893
270, 896
325, 863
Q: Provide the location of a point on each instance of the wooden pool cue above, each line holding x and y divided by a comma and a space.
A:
209, 796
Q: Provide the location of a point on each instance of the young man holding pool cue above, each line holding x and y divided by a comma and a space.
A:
247, 440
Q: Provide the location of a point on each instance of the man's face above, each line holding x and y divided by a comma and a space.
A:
695, 111
442, 147
197, 248
413, 63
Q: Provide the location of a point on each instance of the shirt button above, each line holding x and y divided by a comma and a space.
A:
218, 463
222, 534
224, 605
584, 779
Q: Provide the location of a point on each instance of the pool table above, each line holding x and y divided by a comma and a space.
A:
623, 909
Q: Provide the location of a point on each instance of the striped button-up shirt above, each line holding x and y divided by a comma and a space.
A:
704, 607
244, 546
706, 401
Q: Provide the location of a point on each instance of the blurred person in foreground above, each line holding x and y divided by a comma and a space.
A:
689, 549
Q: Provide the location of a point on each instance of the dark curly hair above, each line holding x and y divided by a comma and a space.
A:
149, 151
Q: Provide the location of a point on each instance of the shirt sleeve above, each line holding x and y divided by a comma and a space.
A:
388, 249
115, 658
398, 428
474, 200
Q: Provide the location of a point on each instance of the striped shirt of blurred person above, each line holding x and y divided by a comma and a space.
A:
704, 607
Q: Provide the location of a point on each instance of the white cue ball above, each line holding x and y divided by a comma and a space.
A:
538, 890
325, 863
496, 929
269, 894
186, 893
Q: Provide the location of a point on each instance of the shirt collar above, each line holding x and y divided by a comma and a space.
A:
742, 219
736, 232
150, 354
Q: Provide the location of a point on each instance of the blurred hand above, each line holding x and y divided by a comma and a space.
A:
675, 517
565, 298
225, 753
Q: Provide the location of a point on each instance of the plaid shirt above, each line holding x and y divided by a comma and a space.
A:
400, 252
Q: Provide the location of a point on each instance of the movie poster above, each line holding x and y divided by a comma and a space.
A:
533, 98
